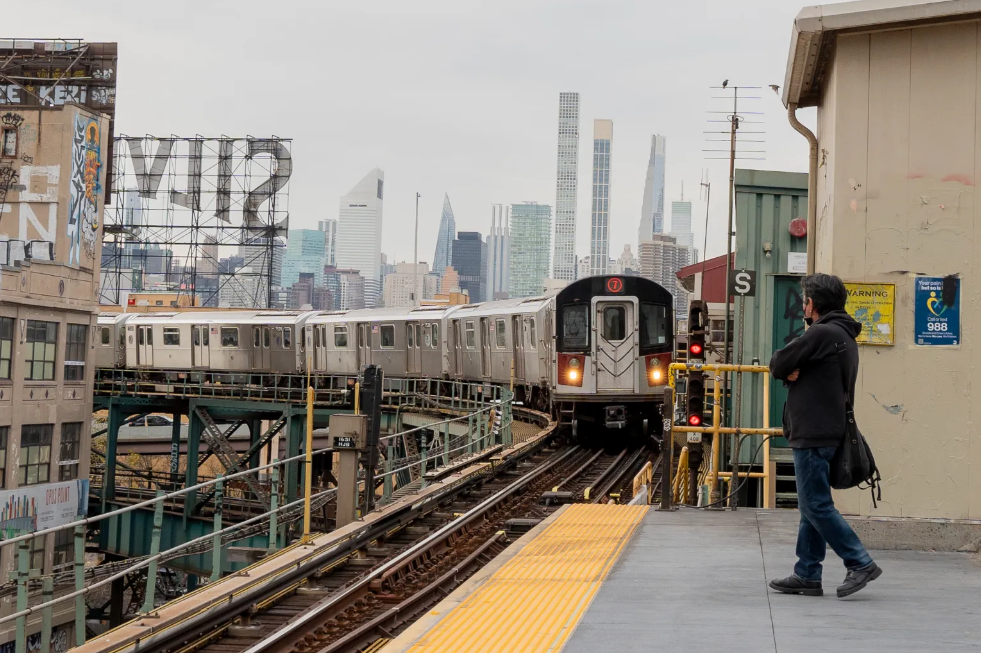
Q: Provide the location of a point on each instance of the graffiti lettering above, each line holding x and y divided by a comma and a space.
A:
26, 158
12, 120
84, 188
793, 312
103, 74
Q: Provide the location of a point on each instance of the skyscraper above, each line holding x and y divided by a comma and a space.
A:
468, 253
497, 275
304, 254
530, 246
566, 188
359, 233
329, 227
599, 237
681, 223
652, 213
660, 259
444, 238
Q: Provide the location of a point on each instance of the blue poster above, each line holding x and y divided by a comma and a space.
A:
937, 316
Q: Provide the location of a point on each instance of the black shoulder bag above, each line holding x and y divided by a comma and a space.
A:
853, 463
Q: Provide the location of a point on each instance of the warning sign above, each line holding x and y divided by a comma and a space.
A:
873, 305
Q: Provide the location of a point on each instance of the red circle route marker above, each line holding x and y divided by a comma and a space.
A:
614, 284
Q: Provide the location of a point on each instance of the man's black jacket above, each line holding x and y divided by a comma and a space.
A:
814, 415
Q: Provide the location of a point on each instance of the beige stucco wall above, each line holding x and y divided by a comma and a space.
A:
899, 151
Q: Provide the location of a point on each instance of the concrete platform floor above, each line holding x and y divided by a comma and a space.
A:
696, 581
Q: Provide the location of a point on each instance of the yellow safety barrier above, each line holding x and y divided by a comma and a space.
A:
769, 473
679, 489
645, 477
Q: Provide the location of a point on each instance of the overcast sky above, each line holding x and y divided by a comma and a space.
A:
447, 96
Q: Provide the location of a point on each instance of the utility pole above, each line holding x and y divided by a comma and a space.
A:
707, 185
415, 260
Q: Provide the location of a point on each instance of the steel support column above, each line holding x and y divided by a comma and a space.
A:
112, 440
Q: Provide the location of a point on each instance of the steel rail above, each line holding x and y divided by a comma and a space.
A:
301, 624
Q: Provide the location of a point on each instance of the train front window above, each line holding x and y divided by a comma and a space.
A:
575, 327
614, 322
653, 325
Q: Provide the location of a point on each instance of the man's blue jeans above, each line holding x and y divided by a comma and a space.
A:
821, 525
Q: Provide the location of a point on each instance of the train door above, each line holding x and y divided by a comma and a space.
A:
364, 344
457, 348
144, 345
518, 347
200, 349
412, 357
320, 346
616, 345
260, 347
485, 345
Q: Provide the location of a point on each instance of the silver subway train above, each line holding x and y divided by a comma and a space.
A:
596, 352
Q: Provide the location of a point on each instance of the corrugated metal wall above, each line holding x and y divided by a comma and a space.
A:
766, 202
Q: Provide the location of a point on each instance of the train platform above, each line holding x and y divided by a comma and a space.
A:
624, 578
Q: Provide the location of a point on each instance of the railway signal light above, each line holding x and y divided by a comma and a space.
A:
697, 318
696, 398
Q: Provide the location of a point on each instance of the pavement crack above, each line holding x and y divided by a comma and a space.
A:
769, 606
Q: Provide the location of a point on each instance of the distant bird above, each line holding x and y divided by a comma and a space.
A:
775, 88
725, 83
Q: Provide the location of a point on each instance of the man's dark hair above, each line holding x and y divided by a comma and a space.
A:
827, 291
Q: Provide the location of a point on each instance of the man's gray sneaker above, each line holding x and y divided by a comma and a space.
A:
797, 585
856, 579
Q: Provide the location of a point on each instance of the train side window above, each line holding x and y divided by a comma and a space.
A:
287, 337
471, 335
427, 334
361, 330
531, 333
106, 335
265, 337
172, 337
614, 322
575, 327
435, 335
229, 336
502, 341
196, 336
387, 336
256, 337
410, 341
122, 339
205, 338
653, 325
340, 337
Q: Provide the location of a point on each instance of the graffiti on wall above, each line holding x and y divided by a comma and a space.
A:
84, 188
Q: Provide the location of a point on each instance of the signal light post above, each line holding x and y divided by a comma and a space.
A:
695, 402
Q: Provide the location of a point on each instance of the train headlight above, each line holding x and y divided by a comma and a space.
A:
656, 375
573, 375
571, 370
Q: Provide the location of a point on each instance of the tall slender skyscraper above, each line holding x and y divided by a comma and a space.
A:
444, 238
359, 233
599, 237
566, 188
652, 213
329, 227
497, 253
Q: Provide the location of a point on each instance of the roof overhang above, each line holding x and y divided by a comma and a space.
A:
816, 29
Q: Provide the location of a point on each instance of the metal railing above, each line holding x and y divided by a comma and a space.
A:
715, 474
476, 405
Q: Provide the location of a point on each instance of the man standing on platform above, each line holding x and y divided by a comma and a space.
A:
814, 425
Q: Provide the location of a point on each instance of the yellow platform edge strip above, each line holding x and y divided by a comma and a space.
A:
534, 602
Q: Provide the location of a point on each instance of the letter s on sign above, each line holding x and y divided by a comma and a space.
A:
742, 283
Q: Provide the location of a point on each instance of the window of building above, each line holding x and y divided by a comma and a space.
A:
35, 454
6, 345
532, 339
287, 337
575, 327
71, 438
75, 352
653, 325
172, 337
4, 432
41, 339
340, 337
229, 336
8, 143
502, 340
37, 552
471, 335
387, 336
64, 550
435, 335
106, 334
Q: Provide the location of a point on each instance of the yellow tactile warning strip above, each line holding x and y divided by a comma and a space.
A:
534, 602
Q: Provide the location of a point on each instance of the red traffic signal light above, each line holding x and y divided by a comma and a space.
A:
695, 349
695, 420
